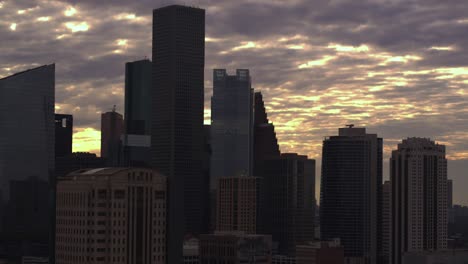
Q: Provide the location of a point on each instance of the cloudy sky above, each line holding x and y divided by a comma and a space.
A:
398, 67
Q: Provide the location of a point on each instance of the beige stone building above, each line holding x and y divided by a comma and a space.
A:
111, 215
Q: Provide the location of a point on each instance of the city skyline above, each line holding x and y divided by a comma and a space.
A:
339, 68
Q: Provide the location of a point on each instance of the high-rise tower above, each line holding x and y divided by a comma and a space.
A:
111, 132
350, 192
27, 161
418, 172
177, 118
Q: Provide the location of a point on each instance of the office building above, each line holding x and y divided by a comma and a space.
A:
449, 194
177, 118
386, 222
191, 250
63, 135
235, 248
320, 252
111, 132
237, 204
231, 125
418, 172
283, 259
288, 208
76, 161
136, 140
111, 215
350, 193
265, 141
27, 161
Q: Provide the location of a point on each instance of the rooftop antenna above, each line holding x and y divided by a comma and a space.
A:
350, 125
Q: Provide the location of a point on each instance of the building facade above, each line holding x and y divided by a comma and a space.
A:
237, 202
386, 221
235, 248
177, 118
111, 215
320, 252
418, 172
112, 128
287, 211
27, 161
350, 193
137, 138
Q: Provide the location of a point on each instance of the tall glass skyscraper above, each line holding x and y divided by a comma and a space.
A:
350, 194
177, 118
231, 125
27, 161
137, 119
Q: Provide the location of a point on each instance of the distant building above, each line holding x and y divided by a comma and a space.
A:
177, 118
288, 205
418, 172
386, 221
351, 192
320, 252
436, 257
237, 202
63, 135
111, 215
111, 132
449, 194
76, 161
137, 136
27, 162
265, 141
235, 248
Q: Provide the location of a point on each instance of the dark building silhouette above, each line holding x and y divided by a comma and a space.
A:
288, 212
265, 141
77, 161
351, 192
136, 140
63, 135
177, 118
418, 172
449, 194
112, 129
27, 160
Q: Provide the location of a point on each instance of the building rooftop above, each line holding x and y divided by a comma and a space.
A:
26, 71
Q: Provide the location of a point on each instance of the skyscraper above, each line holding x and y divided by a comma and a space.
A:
136, 141
386, 221
27, 160
418, 172
288, 209
350, 192
177, 117
265, 141
111, 215
63, 135
232, 125
111, 132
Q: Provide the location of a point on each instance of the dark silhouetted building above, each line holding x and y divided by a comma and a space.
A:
320, 252
418, 172
111, 132
63, 135
265, 141
237, 204
27, 157
449, 194
386, 222
235, 248
350, 193
111, 215
77, 161
137, 138
177, 118
288, 208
